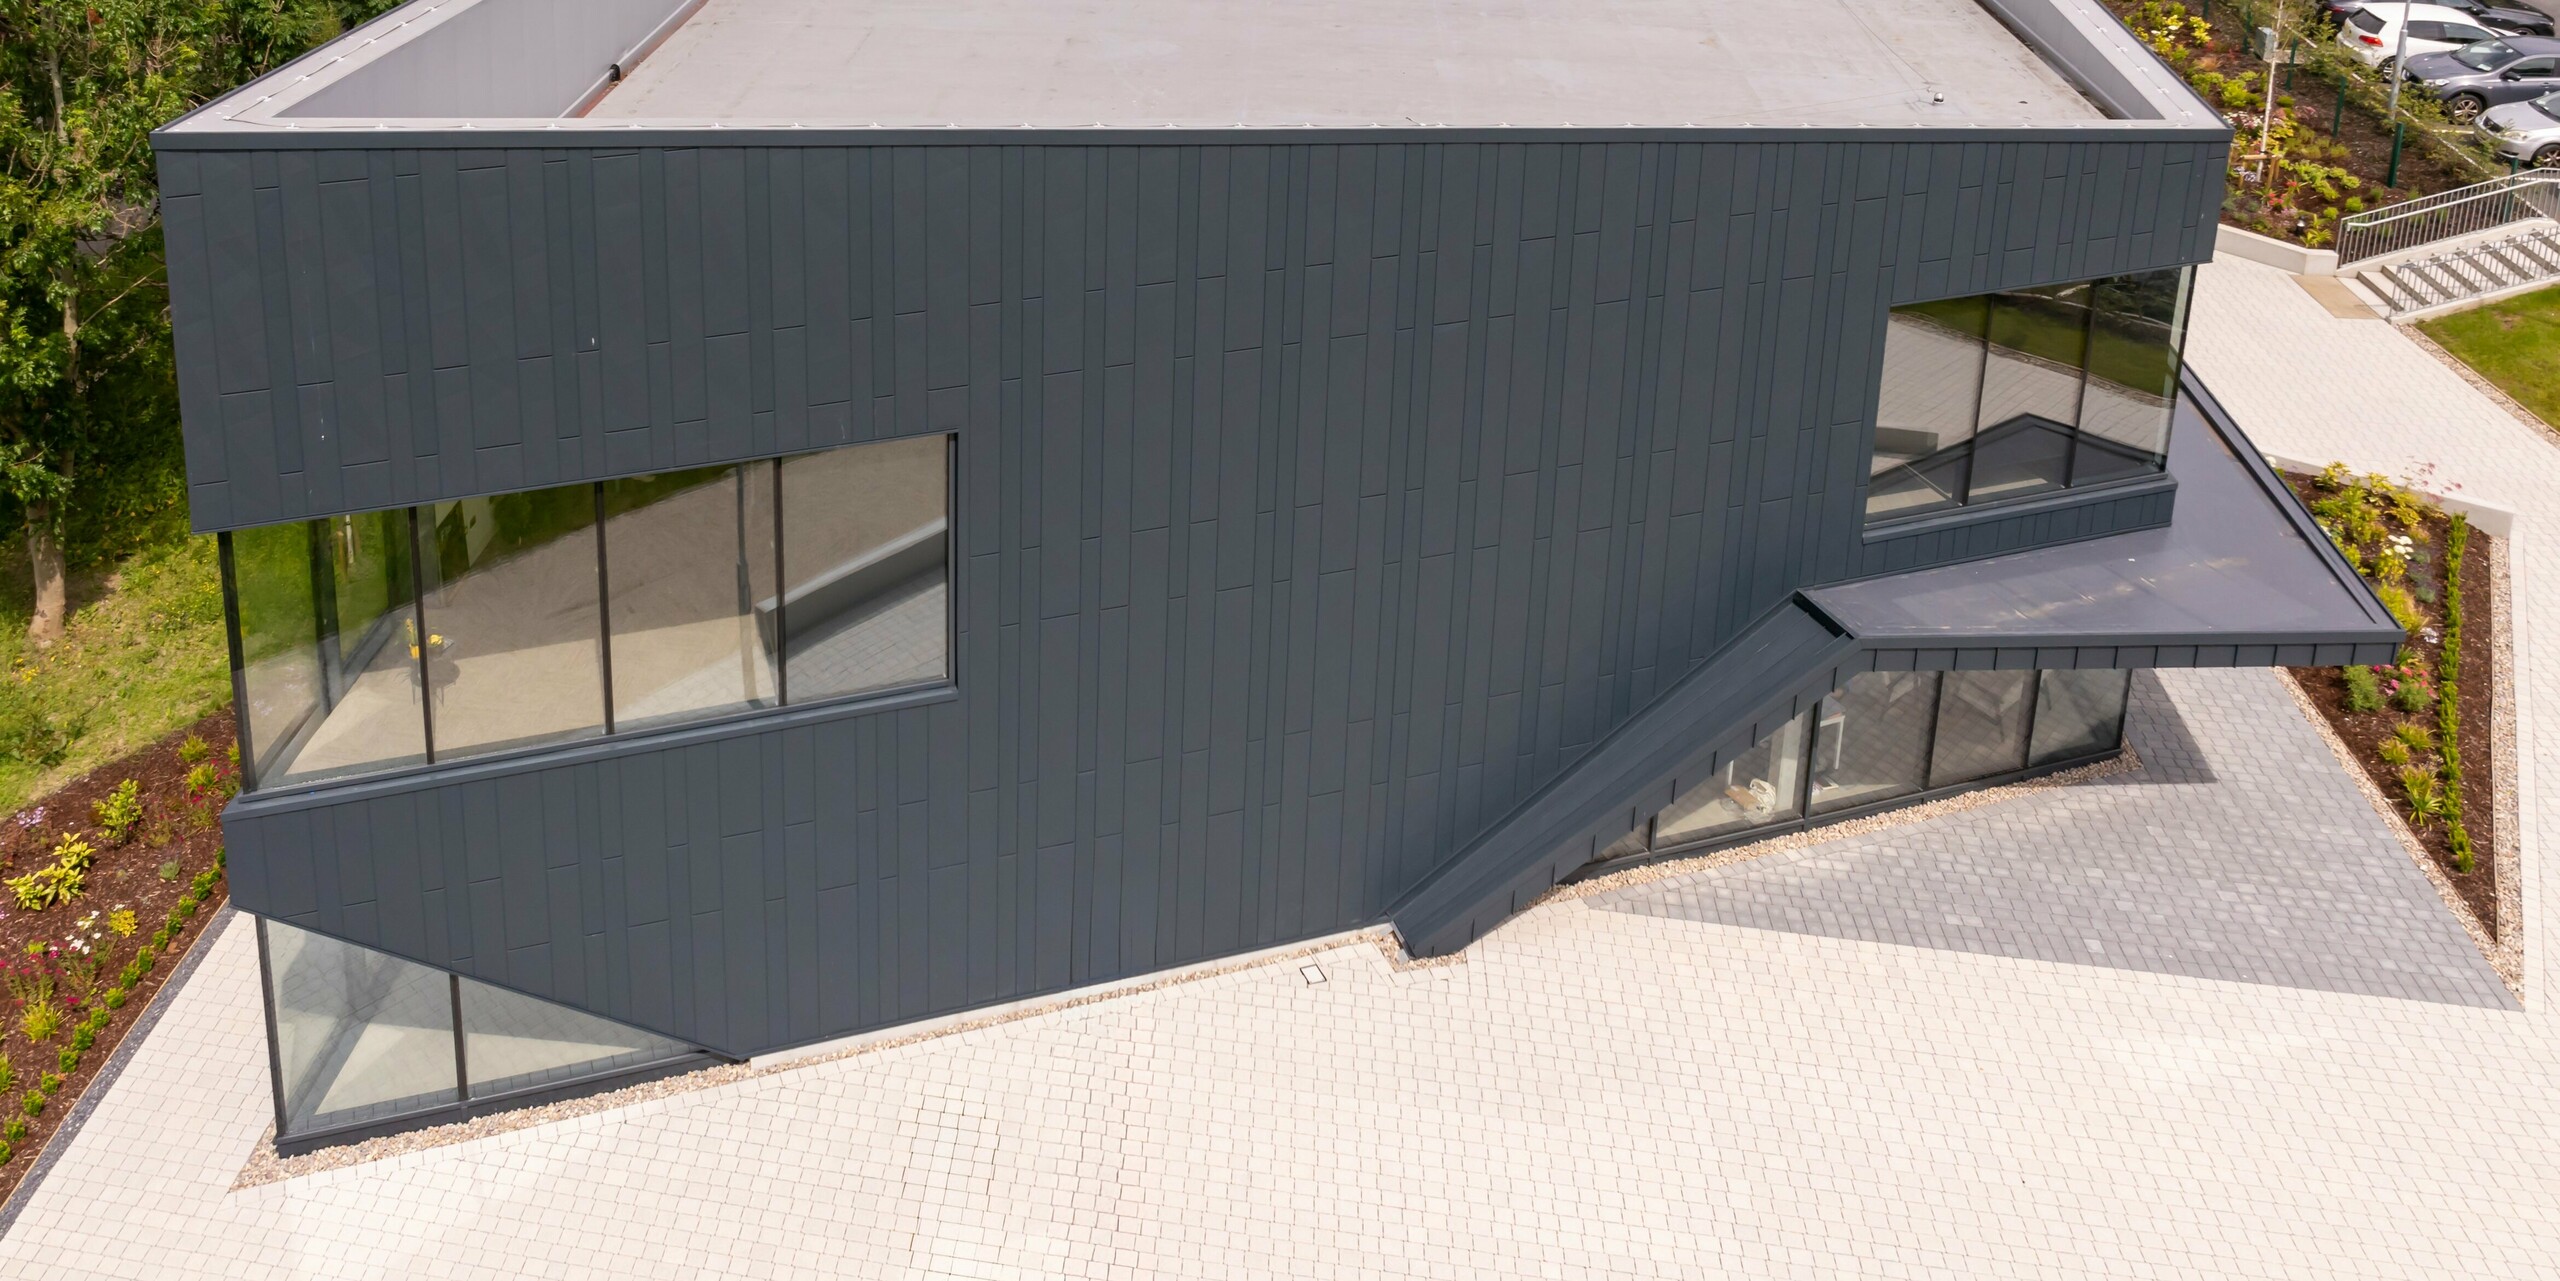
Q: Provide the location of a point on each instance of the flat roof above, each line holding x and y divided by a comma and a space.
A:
999, 64
2236, 565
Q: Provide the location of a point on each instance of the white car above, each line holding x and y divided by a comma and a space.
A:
2373, 32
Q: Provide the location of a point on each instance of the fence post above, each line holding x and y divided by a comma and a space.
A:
2397, 128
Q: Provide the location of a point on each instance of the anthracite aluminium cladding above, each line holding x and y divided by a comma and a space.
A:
1318, 496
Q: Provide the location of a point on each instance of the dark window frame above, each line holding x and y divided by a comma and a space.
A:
891, 697
1652, 851
1872, 526
466, 1105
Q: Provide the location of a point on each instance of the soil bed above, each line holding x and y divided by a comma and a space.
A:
2366, 732
176, 827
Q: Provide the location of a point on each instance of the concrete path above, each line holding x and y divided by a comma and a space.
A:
1590, 1092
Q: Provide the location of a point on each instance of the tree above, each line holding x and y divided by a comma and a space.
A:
85, 370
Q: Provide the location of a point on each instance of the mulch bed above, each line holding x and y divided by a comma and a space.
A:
2364, 732
175, 828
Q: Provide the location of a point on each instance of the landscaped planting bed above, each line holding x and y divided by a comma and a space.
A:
104, 885
2421, 727
2329, 147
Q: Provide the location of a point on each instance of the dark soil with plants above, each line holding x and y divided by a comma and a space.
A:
154, 851
2398, 736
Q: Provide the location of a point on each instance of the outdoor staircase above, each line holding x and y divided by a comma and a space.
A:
2530, 256
2437, 253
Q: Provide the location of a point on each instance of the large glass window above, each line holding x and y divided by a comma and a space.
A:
1764, 785
864, 602
2078, 713
2134, 343
1887, 735
692, 555
461, 628
359, 1036
363, 1038
1996, 397
1982, 726
514, 653
1871, 739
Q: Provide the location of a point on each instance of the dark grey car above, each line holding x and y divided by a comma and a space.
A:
2489, 73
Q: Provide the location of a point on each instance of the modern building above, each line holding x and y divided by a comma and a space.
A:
751, 521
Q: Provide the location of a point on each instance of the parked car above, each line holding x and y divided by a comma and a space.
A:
2527, 132
2513, 20
2373, 32
2491, 73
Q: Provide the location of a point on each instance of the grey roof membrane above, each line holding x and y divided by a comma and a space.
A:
2231, 567
1344, 63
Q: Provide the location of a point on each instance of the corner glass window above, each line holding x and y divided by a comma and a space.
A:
359, 1036
2005, 396
2134, 341
461, 628
363, 1038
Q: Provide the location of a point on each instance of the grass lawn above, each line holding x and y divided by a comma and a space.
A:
144, 655
2514, 343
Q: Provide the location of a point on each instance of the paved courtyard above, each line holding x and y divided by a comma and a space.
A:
2241, 851
1895, 1055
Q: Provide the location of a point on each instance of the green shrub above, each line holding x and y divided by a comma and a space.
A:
40, 1020
114, 1000
171, 870
14, 1130
2364, 690
2424, 794
82, 1037
144, 957
119, 811
2413, 697
2403, 606
2392, 751
59, 881
2414, 737
68, 1060
194, 750
8, 1073
2459, 837
32, 1103
50, 1082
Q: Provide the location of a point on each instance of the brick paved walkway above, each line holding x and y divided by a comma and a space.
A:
1589, 1093
2240, 851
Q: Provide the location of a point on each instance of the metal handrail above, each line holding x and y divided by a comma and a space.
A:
2459, 212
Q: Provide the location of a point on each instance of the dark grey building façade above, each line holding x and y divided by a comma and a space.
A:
751, 523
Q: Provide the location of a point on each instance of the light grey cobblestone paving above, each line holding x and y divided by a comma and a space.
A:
2240, 852
1589, 1093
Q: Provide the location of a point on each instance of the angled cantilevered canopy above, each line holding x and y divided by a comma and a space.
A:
2240, 577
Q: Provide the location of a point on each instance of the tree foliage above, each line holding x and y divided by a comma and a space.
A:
87, 399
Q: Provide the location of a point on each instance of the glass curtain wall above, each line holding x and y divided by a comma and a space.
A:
2003, 396
361, 1037
1889, 735
461, 628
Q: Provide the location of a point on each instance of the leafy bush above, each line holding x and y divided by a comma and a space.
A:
59, 882
2364, 690
2413, 737
15, 1129
119, 811
68, 1060
8, 1074
2425, 794
194, 750
32, 1102
2413, 697
40, 1020
2393, 752
171, 870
